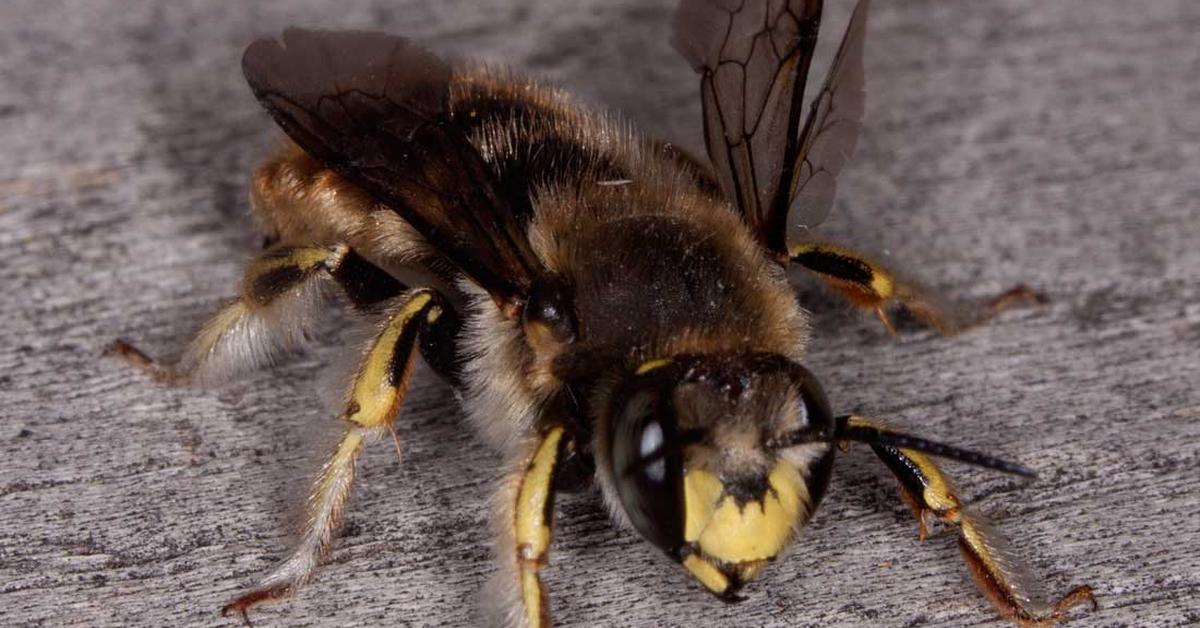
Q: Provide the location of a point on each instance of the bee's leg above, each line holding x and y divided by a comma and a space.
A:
996, 569
524, 521
373, 403
282, 292
869, 285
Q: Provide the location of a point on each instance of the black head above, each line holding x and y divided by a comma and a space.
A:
691, 443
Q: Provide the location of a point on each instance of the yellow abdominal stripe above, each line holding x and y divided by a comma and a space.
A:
742, 537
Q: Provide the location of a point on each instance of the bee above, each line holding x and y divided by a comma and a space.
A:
613, 311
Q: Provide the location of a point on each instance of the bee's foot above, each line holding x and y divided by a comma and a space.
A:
242, 604
135, 357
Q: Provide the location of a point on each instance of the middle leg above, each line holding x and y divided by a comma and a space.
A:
373, 403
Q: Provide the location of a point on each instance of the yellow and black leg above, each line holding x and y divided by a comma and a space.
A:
525, 522
869, 285
282, 293
373, 403
996, 569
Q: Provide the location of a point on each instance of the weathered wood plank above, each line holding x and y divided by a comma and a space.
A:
1056, 144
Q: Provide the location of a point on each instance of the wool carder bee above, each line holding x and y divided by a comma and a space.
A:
613, 311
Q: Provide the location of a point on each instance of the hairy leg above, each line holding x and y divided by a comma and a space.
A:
871, 286
283, 292
998, 572
524, 524
373, 403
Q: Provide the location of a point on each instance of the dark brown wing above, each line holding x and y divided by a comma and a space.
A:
753, 57
831, 132
374, 108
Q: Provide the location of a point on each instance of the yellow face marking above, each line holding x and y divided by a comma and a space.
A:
701, 492
374, 399
646, 367
756, 531
532, 529
708, 575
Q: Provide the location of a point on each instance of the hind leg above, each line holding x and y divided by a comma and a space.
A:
297, 201
282, 294
871, 286
303, 209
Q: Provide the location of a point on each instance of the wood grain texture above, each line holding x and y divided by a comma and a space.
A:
1056, 144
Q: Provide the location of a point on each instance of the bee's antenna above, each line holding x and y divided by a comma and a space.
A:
861, 432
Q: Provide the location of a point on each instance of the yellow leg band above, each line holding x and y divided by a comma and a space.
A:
532, 524
382, 379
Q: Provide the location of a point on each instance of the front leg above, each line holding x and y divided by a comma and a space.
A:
870, 285
996, 569
525, 525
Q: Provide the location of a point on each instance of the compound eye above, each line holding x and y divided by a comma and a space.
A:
647, 459
814, 412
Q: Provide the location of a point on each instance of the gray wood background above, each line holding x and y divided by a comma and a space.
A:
1052, 143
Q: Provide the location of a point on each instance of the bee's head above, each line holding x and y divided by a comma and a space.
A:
694, 459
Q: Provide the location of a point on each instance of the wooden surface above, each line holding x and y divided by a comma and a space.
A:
1052, 143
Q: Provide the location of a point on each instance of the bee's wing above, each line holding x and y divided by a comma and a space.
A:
753, 57
831, 132
374, 108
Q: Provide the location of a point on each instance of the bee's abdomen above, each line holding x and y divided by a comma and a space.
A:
300, 202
